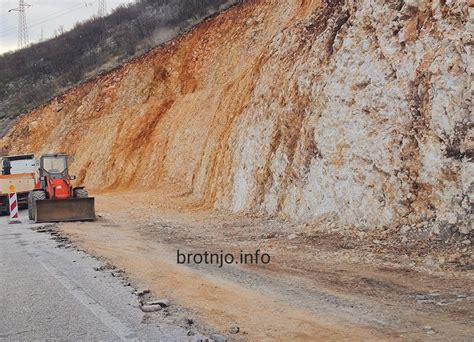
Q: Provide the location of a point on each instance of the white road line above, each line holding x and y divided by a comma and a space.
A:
117, 327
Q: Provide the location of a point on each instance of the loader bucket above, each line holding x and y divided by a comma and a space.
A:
72, 209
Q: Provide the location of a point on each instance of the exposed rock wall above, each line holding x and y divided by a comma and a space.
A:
348, 113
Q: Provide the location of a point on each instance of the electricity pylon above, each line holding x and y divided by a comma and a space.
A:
102, 8
23, 40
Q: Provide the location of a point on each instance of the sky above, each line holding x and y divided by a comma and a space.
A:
46, 16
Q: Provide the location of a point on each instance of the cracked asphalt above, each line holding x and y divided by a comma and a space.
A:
51, 293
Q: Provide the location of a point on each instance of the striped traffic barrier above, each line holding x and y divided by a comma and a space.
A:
13, 203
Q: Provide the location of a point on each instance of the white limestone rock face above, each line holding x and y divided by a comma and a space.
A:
362, 111
339, 114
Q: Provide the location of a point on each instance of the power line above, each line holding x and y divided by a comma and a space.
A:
81, 4
23, 40
42, 21
52, 16
102, 11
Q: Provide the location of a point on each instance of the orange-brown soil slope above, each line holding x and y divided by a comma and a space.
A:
350, 113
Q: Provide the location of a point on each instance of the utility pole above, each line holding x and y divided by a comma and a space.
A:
102, 8
23, 40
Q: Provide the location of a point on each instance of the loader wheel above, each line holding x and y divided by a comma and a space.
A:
32, 198
81, 193
39, 195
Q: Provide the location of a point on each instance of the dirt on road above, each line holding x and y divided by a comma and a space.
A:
331, 287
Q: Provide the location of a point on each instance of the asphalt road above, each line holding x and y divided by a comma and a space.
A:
51, 293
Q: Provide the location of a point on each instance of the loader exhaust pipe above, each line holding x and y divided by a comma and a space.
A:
66, 210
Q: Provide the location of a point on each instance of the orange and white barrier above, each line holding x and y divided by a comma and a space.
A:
13, 204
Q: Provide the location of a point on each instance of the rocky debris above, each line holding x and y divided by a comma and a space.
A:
429, 330
234, 329
430, 262
188, 321
430, 298
142, 292
154, 313
267, 236
154, 305
44, 229
292, 236
465, 230
161, 302
117, 273
150, 308
105, 267
415, 245
62, 241
218, 338
442, 299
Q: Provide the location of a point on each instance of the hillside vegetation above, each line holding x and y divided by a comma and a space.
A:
33, 75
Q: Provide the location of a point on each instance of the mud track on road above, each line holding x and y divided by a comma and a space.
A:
310, 288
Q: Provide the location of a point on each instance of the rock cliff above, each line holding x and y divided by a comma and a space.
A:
344, 113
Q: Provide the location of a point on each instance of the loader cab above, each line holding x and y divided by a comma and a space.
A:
54, 166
